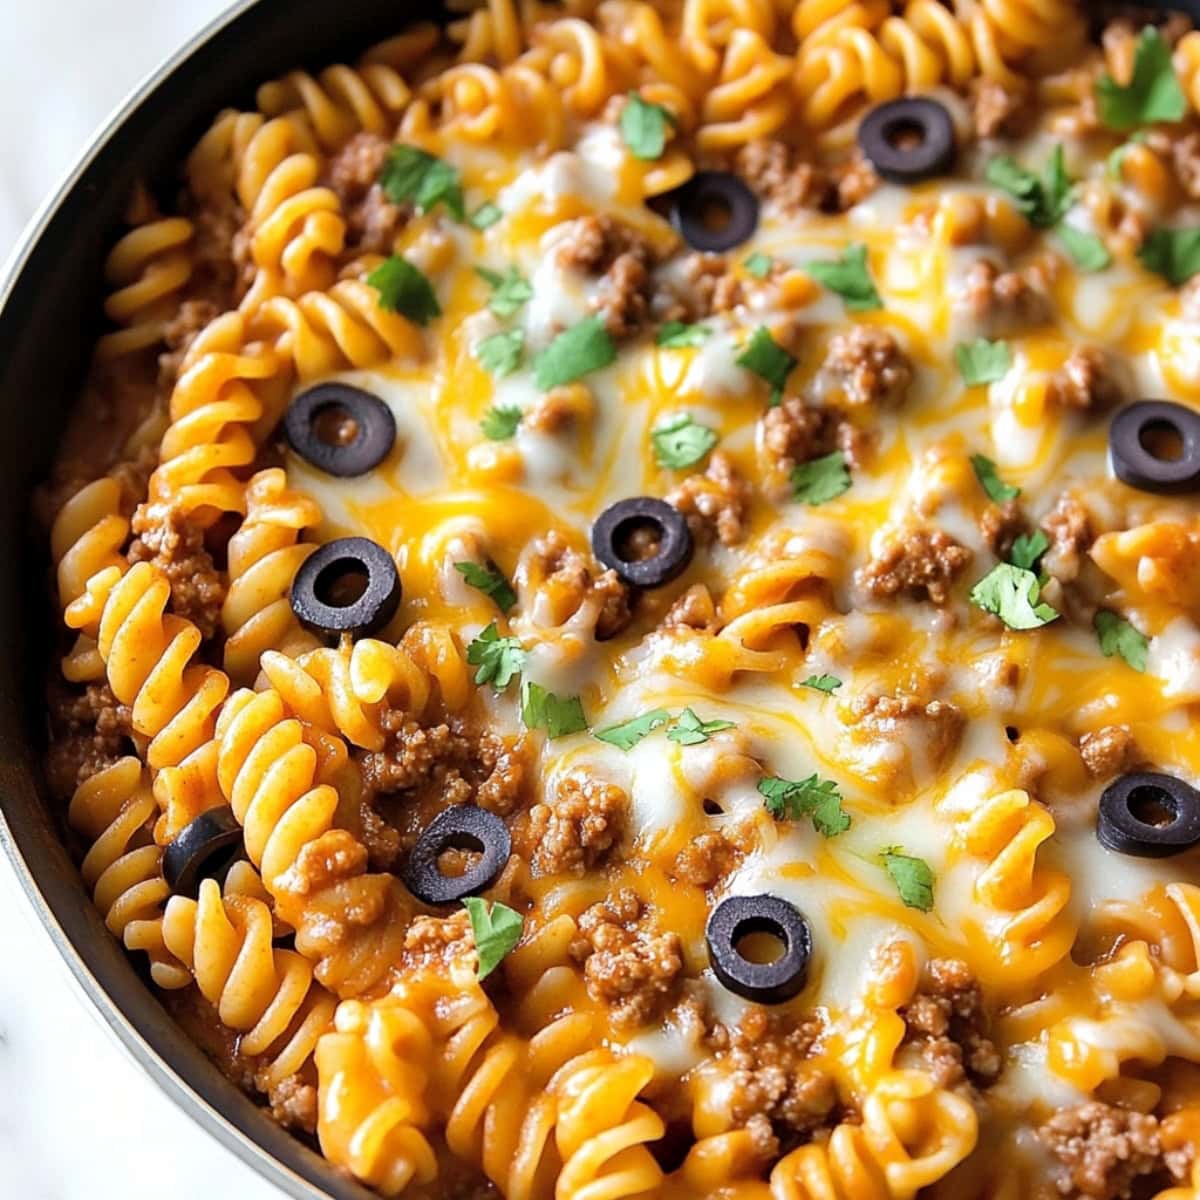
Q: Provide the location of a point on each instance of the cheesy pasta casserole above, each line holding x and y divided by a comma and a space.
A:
630, 593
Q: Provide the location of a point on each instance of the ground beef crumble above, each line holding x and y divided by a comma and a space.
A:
575, 827
921, 562
91, 731
570, 580
372, 221
1001, 525
776, 172
867, 366
1104, 1150
436, 943
714, 502
1070, 530
998, 111
706, 285
695, 609
707, 859
894, 717
1003, 302
795, 431
946, 1024
166, 537
627, 964
621, 258
1086, 382
1108, 751
179, 334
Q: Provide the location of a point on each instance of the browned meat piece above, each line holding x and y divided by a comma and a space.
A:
1070, 531
1001, 525
715, 502
921, 562
934, 726
795, 431
91, 731
1086, 381
1103, 1149
998, 111
166, 537
190, 318
569, 580
577, 826
627, 964
867, 366
372, 221
709, 286
775, 172
1185, 154
436, 943
695, 609
1003, 302
222, 266
707, 859
1108, 752
946, 1022
621, 257
294, 1103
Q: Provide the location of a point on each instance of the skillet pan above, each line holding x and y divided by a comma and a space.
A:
52, 284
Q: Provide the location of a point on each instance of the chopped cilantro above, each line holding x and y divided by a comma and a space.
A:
768, 359
557, 715
500, 422
1153, 92
644, 127
499, 659
1028, 549
676, 335
509, 291
912, 877
812, 797
486, 215
1118, 636
822, 683
821, 479
848, 276
689, 730
496, 932
627, 734
501, 353
1043, 201
1172, 253
758, 264
1011, 593
1088, 251
490, 581
980, 361
410, 174
577, 351
681, 442
990, 481
405, 290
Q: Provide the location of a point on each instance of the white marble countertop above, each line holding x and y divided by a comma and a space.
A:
78, 1121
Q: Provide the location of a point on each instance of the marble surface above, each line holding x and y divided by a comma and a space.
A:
77, 1119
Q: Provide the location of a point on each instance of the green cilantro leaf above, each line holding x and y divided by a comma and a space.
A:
758, 264
912, 877
1028, 549
1011, 593
500, 422
583, 348
1172, 253
1043, 201
822, 683
689, 730
848, 276
996, 488
1088, 251
980, 361
812, 797
644, 127
499, 659
557, 715
509, 291
681, 442
627, 735
486, 215
1118, 636
768, 359
405, 290
496, 932
821, 479
490, 581
677, 335
411, 174
501, 353
1153, 92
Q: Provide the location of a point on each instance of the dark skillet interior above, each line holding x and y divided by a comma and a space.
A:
47, 325
51, 317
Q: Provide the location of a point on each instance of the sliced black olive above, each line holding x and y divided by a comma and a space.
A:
769, 982
714, 211
1154, 446
340, 429
203, 849
613, 535
461, 827
348, 586
1150, 815
908, 140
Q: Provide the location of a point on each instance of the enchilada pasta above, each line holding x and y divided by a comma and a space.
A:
630, 619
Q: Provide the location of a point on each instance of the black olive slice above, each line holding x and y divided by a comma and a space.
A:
771, 982
1149, 815
461, 827
340, 429
1154, 446
714, 211
348, 586
613, 530
203, 849
908, 140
